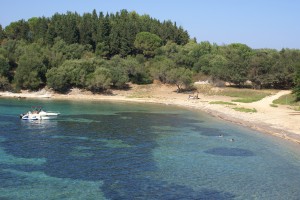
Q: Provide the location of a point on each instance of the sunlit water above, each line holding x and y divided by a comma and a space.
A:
100, 150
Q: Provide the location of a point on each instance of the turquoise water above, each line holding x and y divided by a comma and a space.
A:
101, 150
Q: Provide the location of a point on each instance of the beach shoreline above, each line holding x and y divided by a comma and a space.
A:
274, 121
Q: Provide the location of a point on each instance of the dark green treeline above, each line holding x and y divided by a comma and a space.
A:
99, 51
111, 34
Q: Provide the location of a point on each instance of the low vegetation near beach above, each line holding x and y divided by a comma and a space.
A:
289, 100
244, 95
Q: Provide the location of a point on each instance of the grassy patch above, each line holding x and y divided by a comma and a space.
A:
290, 100
222, 102
243, 95
247, 110
248, 99
138, 96
246, 95
273, 105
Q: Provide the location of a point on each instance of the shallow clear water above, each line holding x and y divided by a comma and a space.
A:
101, 150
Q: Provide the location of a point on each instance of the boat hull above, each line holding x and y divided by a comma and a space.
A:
39, 116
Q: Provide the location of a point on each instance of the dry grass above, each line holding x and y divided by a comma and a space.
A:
243, 95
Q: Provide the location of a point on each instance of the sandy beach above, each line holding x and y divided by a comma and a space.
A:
279, 121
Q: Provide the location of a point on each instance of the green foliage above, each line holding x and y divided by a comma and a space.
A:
102, 50
216, 67
113, 34
18, 30
4, 84
296, 89
159, 68
31, 69
181, 77
236, 69
8, 50
136, 70
65, 50
72, 73
246, 110
262, 68
4, 66
2, 35
288, 99
99, 80
244, 95
58, 79
147, 43
119, 75
38, 28
249, 99
222, 103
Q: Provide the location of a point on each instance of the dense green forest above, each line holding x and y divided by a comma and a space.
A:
97, 51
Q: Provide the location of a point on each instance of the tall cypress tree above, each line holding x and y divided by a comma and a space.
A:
86, 29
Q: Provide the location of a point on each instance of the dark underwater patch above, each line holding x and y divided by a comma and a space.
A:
210, 132
224, 151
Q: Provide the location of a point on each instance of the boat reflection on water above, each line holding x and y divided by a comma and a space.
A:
39, 125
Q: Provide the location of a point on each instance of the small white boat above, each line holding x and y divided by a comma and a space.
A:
39, 114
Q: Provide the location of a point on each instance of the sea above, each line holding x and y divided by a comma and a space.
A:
109, 150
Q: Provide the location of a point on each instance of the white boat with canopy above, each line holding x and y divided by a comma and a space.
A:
37, 113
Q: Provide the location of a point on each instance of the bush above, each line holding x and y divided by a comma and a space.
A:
100, 80
58, 80
4, 84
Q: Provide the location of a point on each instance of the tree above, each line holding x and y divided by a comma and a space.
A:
58, 79
136, 71
147, 43
102, 50
18, 30
284, 68
159, 66
218, 68
4, 84
38, 29
99, 80
86, 28
31, 70
201, 49
4, 66
238, 56
181, 77
1, 34
261, 68
101, 36
119, 75
296, 89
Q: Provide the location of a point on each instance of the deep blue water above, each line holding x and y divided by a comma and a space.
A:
101, 150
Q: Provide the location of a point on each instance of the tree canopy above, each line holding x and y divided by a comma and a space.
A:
98, 51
